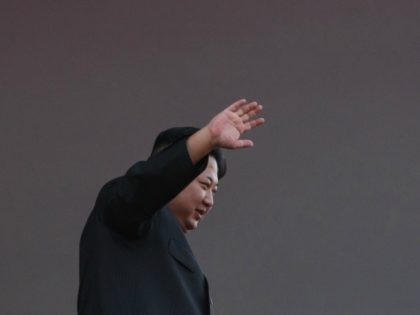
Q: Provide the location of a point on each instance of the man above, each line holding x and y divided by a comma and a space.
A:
134, 256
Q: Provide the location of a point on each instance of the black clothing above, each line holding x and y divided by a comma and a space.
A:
134, 256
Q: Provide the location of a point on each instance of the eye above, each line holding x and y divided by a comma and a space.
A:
207, 186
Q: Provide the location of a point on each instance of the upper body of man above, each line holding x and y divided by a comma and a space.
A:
134, 256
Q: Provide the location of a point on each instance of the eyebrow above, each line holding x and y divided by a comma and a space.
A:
211, 179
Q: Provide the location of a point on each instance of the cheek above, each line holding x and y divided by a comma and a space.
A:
194, 192
198, 194
192, 195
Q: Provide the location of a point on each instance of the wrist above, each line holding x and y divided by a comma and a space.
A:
207, 137
200, 144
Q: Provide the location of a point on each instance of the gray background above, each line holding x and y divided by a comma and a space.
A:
319, 217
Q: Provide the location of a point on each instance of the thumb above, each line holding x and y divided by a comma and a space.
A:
243, 144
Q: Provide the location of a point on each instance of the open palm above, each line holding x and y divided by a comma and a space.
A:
227, 126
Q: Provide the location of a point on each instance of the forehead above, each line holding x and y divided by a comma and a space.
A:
211, 170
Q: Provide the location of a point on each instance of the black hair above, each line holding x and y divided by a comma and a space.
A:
169, 136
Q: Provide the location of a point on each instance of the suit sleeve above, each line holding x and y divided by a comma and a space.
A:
147, 186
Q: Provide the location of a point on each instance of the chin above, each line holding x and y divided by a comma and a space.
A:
192, 224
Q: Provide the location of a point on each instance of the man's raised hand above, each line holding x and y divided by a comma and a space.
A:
227, 126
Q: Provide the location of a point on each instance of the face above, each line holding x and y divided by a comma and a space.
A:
192, 204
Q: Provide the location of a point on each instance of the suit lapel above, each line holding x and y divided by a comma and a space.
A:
178, 245
180, 249
211, 307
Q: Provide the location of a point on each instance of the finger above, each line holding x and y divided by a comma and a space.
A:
245, 143
235, 106
244, 109
251, 113
254, 123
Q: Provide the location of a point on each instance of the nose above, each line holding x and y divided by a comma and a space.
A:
208, 200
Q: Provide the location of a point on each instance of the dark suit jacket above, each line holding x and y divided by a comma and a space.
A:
134, 257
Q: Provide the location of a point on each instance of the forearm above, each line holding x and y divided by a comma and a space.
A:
200, 144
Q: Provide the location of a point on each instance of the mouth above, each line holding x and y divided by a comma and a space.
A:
198, 214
